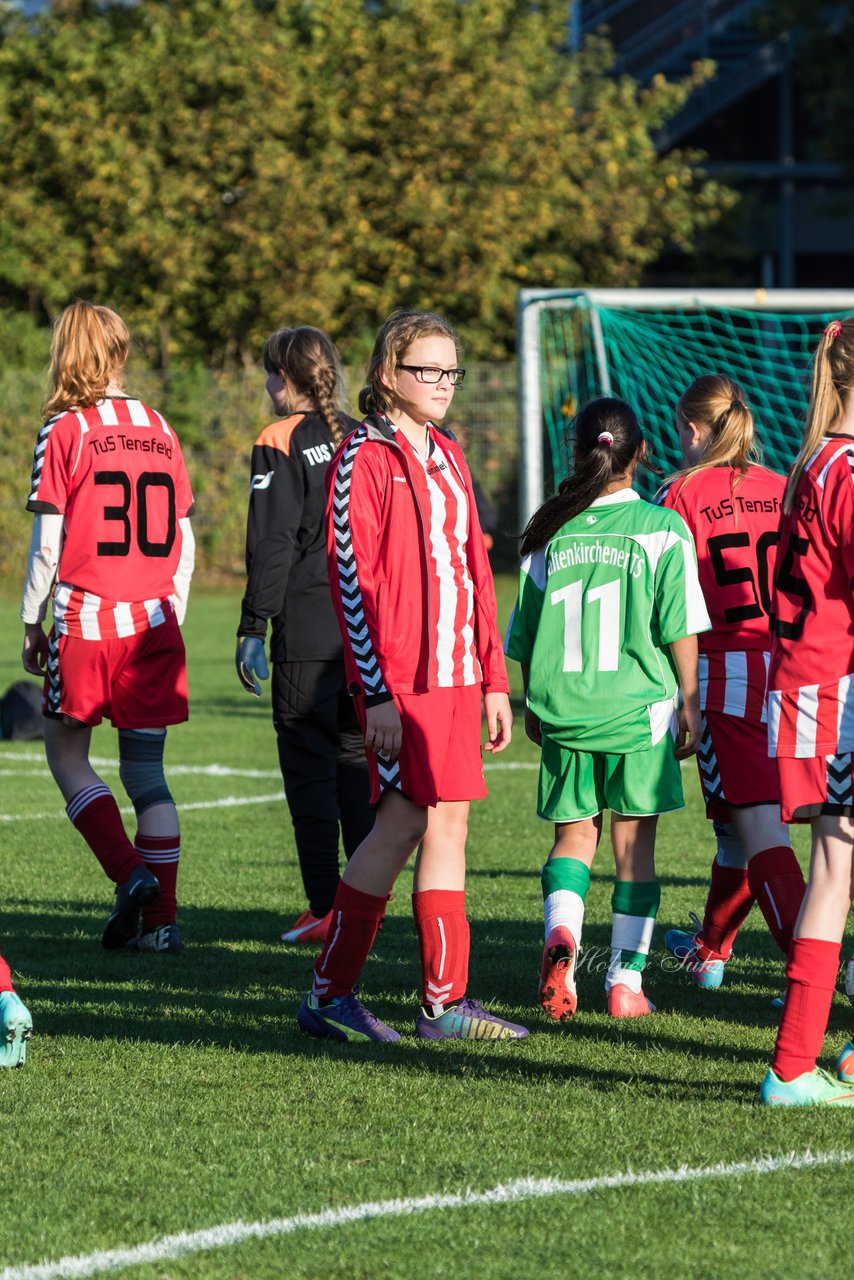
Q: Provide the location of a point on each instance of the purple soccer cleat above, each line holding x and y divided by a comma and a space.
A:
345, 1018
467, 1020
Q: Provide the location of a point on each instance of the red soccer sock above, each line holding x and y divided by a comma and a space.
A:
355, 919
811, 971
777, 883
160, 854
727, 908
95, 814
5, 976
443, 939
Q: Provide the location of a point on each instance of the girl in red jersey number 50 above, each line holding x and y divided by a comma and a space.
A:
112, 503
732, 507
811, 717
415, 601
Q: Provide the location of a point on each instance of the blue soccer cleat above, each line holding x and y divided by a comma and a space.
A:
16, 1027
708, 974
344, 1018
812, 1089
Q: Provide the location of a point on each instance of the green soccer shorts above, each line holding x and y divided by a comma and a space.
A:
579, 784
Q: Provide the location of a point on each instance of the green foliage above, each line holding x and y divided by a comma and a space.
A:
215, 168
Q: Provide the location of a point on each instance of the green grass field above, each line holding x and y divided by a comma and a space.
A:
167, 1095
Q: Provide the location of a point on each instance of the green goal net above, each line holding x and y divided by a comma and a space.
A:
646, 346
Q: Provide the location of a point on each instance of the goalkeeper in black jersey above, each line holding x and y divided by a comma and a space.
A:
321, 752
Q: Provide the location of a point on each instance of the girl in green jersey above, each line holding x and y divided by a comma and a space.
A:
605, 628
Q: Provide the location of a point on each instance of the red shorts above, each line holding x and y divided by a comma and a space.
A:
137, 682
440, 755
735, 769
815, 786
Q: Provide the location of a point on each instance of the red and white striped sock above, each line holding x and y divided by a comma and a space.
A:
777, 883
355, 920
443, 940
95, 814
160, 854
5, 976
811, 971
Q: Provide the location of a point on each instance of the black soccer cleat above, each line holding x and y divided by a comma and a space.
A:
163, 938
140, 888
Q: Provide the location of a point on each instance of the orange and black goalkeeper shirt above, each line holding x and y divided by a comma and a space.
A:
286, 568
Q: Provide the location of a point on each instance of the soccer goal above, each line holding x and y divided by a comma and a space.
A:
645, 346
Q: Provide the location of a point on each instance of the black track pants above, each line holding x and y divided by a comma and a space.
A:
322, 758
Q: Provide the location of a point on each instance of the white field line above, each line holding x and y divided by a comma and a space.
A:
224, 802
202, 771
184, 1243
198, 770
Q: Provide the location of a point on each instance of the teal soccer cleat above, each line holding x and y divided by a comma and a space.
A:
845, 1064
708, 974
813, 1089
16, 1027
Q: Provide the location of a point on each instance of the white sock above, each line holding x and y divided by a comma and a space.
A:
563, 907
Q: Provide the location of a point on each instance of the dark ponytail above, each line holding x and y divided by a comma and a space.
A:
608, 439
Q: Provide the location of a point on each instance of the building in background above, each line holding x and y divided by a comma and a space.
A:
753, 120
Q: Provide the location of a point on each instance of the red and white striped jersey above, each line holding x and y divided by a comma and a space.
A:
452, 599
811, 677
735, 530
116, 473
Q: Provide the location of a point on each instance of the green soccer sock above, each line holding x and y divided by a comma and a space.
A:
634, 906
565, 885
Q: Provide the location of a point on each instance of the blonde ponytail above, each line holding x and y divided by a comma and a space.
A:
832, 378
716, 402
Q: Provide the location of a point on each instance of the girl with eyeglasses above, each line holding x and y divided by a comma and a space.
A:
605, 628
732, 506
415, 601
321, 751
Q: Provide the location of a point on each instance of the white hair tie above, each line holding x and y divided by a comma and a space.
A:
605, 437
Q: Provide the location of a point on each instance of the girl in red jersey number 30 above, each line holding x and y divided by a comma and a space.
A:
112, 503
414, 595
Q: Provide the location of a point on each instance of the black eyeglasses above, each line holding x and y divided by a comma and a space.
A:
430, 374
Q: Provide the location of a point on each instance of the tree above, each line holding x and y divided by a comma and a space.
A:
215, 168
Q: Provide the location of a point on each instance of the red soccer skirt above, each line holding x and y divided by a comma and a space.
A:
440, 755
734, 766
137, 682
815, 786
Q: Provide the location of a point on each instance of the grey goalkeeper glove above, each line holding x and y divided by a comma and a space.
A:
251, 663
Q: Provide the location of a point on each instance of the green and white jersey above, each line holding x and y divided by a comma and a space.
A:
598, 607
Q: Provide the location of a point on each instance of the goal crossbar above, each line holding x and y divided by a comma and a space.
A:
532, 303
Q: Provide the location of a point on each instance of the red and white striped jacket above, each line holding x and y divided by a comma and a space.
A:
383, 577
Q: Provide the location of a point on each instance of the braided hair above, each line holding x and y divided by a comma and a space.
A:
309, 360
